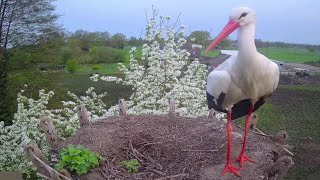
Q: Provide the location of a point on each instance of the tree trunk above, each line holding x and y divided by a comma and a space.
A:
5, 115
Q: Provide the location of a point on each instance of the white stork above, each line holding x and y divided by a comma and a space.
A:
242, 83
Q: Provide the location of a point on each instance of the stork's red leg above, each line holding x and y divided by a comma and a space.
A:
229, 167
242, 157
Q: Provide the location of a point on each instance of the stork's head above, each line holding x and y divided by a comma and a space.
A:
239, 17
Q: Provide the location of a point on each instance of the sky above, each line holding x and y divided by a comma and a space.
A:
293, 21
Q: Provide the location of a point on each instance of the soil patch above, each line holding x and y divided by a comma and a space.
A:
170, 147
308, 80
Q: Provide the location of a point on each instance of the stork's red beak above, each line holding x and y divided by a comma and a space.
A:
228, 29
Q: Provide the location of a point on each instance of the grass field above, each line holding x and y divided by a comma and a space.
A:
290, 54
109, 69
295, 109
284, 54
79, 83
106, 69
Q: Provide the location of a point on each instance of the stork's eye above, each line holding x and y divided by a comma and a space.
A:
243, 15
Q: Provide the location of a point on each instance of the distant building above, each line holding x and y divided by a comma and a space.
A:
229, 52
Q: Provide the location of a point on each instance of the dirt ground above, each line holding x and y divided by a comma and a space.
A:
170, 147
290, 80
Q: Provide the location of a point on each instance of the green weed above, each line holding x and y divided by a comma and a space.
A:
131, 165
78, 159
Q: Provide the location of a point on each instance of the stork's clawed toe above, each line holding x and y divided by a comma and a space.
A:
230, 168
243, 158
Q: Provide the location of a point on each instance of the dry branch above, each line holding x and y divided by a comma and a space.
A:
83, 115
50, 131
281, 137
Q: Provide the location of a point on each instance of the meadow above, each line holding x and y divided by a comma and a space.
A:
284, 54
291, 54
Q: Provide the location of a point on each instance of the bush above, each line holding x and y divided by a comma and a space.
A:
78, 159
66, 54
72, 66
36, 81
106, 55
96, 68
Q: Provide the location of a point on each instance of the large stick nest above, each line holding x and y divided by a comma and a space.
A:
170, 147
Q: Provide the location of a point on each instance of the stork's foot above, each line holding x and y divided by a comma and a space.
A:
230, 168
243, 158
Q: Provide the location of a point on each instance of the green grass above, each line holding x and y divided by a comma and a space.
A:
109, 69
294, 109
79, 83
290, 54
283, 54
213, 53
138, 53
105, 69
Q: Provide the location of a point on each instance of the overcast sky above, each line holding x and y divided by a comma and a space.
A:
277, 20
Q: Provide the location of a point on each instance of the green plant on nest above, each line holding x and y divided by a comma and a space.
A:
131, 166
78, 159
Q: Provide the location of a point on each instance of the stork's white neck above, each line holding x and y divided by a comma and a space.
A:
246, 43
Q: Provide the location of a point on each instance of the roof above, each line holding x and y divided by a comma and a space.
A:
278, 62
216, 60
300, 69
229, 52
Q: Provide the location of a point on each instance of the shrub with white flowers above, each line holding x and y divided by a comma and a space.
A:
26, 126
164, 73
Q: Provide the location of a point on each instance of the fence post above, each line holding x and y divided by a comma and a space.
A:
33, 150
50, 132
122, 107
172, 106
83, 115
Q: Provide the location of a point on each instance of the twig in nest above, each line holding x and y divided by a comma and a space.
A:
172, 176
134, 152
259, 132
289, 152
222, 145
191, 150
184, 169
158, 172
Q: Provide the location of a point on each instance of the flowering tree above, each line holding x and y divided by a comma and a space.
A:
164, 73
